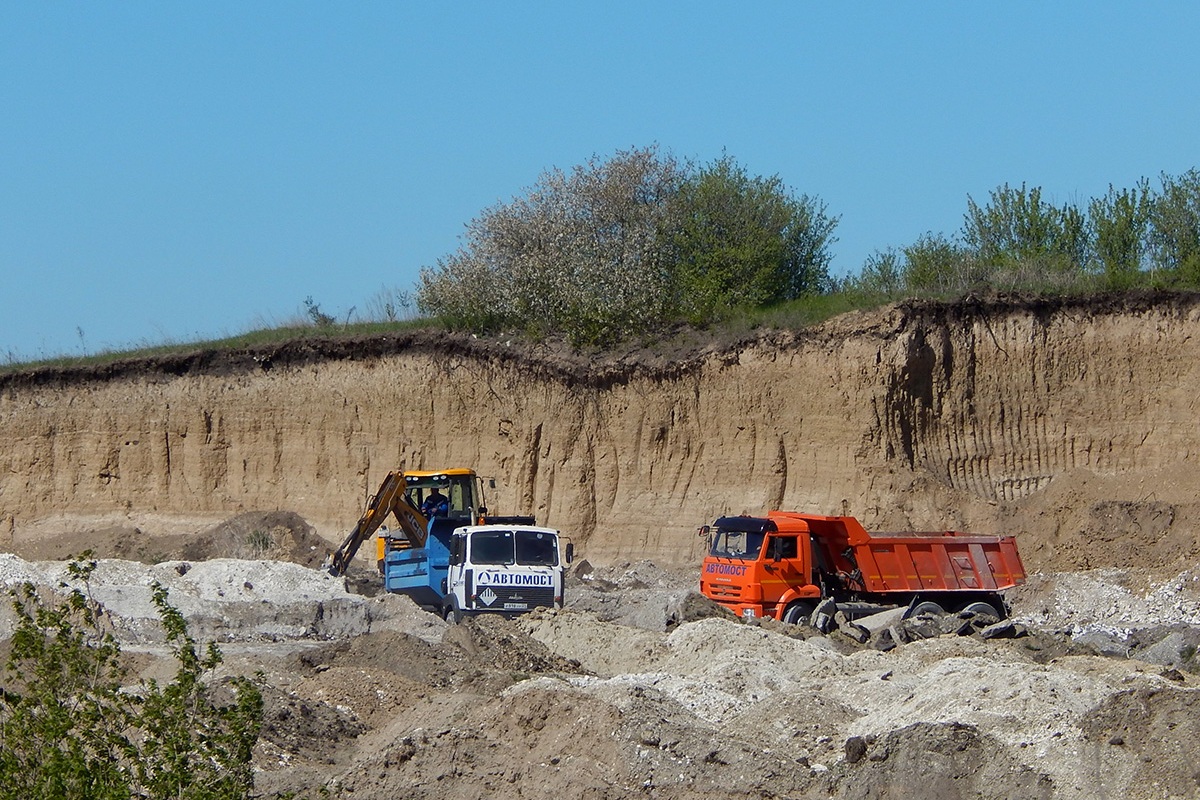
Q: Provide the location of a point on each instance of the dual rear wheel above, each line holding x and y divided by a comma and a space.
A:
980, 608
799, 612
977, 607
926, 607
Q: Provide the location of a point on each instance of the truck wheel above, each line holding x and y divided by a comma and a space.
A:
925, 607
799, 612
981, 608
452, 614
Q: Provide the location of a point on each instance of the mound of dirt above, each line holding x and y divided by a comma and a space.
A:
496, 643
947, 761
1075, 525
1151, 730
372, 698
274, 535
293, 726
641, 594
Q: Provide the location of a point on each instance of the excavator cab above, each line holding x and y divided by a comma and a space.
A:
401, 495
461, 487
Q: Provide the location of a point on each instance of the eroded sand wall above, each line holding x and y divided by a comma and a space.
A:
986, 405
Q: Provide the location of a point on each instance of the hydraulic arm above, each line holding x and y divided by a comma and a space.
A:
389, 499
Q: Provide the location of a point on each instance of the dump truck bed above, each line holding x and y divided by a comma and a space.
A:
948, 561
913, 561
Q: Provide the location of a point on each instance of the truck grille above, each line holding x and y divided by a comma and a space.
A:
500, 597
723, 591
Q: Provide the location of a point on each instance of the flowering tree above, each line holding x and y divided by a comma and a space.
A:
621, 246
580, 253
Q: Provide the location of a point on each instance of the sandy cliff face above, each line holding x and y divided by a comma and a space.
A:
1068, 421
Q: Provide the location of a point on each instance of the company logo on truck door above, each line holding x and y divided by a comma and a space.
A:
725, 569
499, 578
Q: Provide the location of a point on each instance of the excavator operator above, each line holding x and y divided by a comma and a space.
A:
435, 505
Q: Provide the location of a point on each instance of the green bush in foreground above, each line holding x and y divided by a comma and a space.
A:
71, 728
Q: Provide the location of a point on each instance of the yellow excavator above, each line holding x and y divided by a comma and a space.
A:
403, 495
449, 556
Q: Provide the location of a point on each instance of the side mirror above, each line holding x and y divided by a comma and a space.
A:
776, 549
703, 531
570, 552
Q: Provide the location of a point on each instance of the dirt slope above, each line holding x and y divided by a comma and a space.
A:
1071, 422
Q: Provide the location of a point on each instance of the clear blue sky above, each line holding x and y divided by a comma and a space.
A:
179, 171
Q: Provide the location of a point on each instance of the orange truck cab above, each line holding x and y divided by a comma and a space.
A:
782, 565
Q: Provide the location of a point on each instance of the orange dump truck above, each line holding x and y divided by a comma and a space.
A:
784, 564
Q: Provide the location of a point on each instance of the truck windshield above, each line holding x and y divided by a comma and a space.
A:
492, 547
528, 548
536, 548
729, 543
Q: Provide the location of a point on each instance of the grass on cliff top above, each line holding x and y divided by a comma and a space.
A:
247, 340
797, 314
794, 315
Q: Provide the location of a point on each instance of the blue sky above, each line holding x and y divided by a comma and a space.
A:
171, 172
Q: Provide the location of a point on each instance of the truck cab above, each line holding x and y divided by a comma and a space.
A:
479, 569
506, 569
758, 567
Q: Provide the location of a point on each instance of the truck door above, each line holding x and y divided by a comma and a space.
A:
783, 569
455, 572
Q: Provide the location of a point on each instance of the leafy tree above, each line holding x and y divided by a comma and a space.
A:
1018, 228
69, 727
882, 275
1019, 240
580, 252
191, 746
936, 264
743, 240
1119, 223
1175, 228
63, 719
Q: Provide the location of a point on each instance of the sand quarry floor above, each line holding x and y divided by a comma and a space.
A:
641, 688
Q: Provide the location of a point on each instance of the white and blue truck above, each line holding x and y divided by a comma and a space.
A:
453, 558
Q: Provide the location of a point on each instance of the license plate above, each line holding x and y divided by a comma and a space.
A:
516, 605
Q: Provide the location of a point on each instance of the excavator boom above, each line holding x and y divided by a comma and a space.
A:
389, 499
